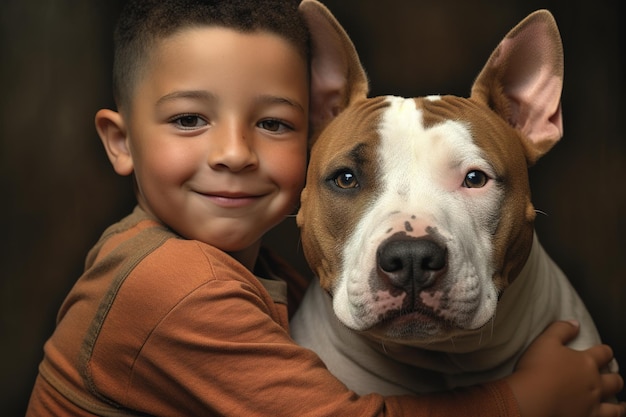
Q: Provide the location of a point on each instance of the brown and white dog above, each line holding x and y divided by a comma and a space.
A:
417, 218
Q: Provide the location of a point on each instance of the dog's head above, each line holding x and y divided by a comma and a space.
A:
416, 213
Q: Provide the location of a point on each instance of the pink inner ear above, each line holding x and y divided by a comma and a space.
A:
533, 82
523, 80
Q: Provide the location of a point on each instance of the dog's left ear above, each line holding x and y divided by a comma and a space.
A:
337, 76
523, 80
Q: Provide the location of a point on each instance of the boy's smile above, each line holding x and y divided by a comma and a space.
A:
216, 134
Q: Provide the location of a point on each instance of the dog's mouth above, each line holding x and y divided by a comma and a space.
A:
412, 323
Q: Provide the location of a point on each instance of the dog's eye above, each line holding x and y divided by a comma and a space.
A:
345, 180
475, 179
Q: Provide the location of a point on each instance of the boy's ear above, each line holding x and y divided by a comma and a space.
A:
112, 130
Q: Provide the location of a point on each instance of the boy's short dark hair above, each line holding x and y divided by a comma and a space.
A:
142, 23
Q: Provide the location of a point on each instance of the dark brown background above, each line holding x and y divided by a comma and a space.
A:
59, 191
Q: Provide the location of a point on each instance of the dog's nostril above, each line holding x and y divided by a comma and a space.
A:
414, 253
411, 261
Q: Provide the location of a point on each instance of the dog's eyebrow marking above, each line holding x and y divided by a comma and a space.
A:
358, 153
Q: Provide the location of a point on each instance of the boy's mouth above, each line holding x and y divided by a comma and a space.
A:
229, 199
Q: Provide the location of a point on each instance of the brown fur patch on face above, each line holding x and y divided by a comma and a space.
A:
329, 213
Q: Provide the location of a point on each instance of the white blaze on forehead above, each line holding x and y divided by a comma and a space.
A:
423, 157
419, 178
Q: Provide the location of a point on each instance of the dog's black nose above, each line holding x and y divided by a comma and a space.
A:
411, 263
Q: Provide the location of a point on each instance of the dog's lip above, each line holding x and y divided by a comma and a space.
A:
411, 313
407, 316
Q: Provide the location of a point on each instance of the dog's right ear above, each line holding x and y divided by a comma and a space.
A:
337, 76
522, 82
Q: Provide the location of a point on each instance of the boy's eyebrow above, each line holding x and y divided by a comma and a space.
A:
194, 94
208, 96
280, 100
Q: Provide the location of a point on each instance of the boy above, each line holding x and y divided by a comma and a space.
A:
176, 312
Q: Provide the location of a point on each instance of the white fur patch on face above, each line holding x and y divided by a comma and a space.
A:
422, 195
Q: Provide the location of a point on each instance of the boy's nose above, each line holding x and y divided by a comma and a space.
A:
232, 148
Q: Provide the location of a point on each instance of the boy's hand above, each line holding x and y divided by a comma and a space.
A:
552, 380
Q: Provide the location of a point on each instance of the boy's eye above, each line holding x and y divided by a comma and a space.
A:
189, 121
272, 125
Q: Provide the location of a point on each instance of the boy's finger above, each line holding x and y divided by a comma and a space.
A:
611, 410
601, 354
563, 331
611, 384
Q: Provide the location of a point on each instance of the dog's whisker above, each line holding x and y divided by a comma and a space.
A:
491, 331
542, 212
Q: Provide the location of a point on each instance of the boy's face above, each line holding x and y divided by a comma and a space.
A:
217, 132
